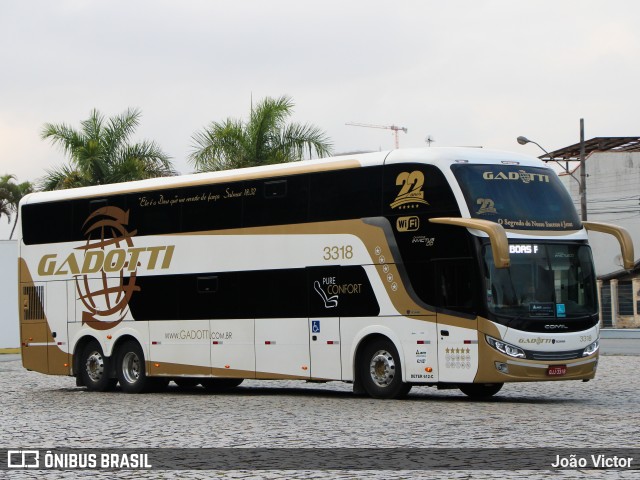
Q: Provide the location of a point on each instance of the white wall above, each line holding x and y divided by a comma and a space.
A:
9, 323
613, 196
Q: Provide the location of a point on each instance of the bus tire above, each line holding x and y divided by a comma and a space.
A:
131, 369
480, 390
380, 372
95, 368
216, 385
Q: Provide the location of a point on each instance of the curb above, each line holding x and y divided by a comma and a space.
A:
619, 333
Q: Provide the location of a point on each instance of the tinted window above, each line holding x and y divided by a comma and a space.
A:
47, 222
543, 281
516, 197
346, 194
276, 202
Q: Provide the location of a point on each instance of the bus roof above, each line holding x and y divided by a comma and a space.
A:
441, 156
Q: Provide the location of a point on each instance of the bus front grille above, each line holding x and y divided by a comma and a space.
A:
551, 356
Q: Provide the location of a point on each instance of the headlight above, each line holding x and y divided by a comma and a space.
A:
591, 349
506, 348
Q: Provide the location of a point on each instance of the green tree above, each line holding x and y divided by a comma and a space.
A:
100, 153
10, 195
5, 208
264, 139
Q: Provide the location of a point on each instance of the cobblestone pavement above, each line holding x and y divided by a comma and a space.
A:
39, 411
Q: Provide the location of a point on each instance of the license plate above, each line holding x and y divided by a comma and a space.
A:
557, 370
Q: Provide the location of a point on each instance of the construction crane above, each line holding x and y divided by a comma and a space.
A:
395, 129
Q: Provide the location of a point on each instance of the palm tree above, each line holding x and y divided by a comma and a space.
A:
10, 195
263, 140
5, 208
100, 153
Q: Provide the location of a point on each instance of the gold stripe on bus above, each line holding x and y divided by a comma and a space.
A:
454, 321
489, 328
279, 376
357, 227
374, 239
170, 369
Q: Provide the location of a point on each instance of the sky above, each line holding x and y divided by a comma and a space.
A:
464, 72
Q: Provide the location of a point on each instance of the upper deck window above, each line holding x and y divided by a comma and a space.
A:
517, 197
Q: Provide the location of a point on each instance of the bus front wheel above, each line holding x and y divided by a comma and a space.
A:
480, 390
380, 371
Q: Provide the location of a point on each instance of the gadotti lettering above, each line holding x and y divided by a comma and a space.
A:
536, 341
113, 260
525, 177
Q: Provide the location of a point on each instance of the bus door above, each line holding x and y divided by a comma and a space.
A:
282, 348
232, 347
186, 343
456, 296
180, 339
279, 301
57, 318
324, 322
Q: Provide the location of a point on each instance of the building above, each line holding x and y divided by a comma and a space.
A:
9, 322
612, 166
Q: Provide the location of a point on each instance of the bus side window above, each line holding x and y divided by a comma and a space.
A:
283, 201
275, 189
207, 284
98, 203
454, 284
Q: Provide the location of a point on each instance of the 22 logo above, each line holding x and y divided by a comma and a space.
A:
487, 206
411, 184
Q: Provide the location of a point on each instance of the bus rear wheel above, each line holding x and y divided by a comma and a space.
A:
95, 368
480, 390
380, 372
131, 369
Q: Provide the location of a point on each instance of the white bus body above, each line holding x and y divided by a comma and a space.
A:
387, 270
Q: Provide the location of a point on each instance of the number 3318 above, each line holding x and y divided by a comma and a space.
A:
338, 252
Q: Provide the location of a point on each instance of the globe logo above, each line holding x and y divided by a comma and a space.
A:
525, 176
105, 291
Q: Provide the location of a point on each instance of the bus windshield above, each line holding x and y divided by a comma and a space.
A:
517, 197
544, 281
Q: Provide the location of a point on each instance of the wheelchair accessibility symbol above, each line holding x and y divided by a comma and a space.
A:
315, 326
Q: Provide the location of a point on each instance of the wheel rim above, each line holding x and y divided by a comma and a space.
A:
131, 367
95, 366
382, 368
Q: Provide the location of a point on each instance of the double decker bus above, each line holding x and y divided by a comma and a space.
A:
446, 267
